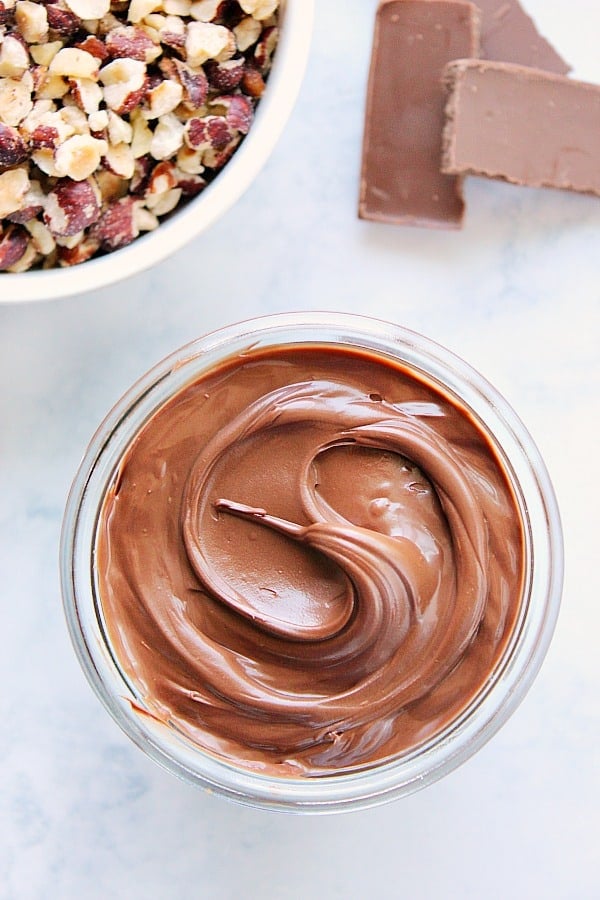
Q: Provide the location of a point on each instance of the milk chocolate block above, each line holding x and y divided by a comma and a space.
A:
508, 34
522, 125
401, 181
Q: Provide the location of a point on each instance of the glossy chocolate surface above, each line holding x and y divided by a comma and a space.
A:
310, 560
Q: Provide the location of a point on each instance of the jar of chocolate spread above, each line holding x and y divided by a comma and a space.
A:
311, 561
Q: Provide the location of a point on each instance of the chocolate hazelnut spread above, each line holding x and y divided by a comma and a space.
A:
310, 560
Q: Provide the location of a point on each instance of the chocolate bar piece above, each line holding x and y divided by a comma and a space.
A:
401, 181
508, 34
522, 125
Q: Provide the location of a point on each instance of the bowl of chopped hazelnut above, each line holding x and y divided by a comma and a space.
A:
127, 128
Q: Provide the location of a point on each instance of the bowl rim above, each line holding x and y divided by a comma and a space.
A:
485, 714
272, 113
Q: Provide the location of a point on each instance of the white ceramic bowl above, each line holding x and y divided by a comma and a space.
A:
272, 113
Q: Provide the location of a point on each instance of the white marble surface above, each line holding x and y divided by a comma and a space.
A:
83, 813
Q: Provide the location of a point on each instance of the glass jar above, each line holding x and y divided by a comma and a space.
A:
488, 710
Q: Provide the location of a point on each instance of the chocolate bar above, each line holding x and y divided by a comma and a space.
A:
523, 125
401, 181
508, 34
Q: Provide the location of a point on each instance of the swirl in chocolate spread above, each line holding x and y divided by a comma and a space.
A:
310, 561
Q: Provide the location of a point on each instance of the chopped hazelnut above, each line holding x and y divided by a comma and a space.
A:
205, 10
41, 236
225, 76
120, 159
87, 94
13, 149
13, 187
26, 259
207, 41
112, 187
62, 21
82, 251
43, 54
113, 113
32, 20
14, 58
247, 32
74, 63
44, 160
117, 225
167, 137
131, 42
161, 204
263, 51
259, 9
75, 119
190, 161
177, 7
98, 121
79, 156
119, 131
143, 219
141, 139
139, 9
15, 98
252, 84
164, 99
122, 79
89, 9
95, 46
194, 83
13, 244
72, 206
162, 178
53, 87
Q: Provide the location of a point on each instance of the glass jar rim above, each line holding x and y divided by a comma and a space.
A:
493, 704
